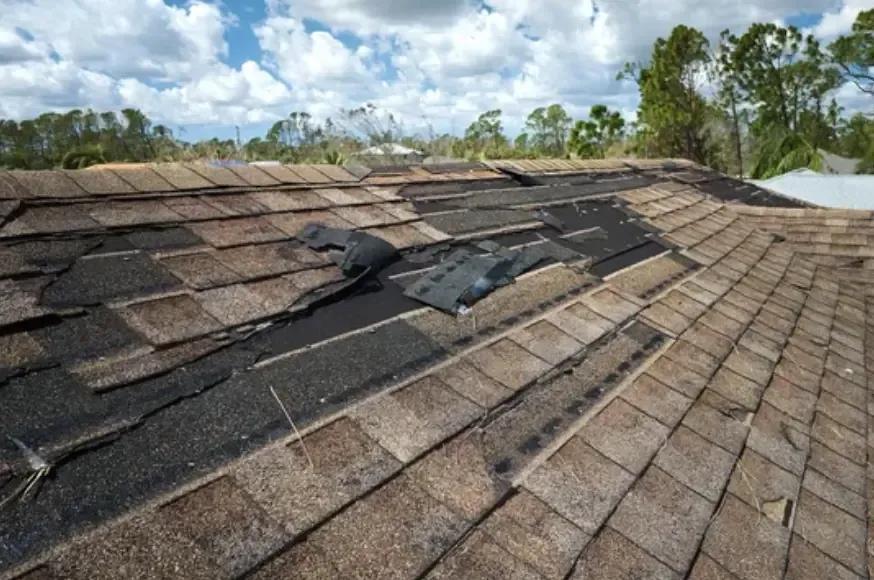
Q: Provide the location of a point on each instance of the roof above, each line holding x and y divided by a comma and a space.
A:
837, 164
837, 191
675, 388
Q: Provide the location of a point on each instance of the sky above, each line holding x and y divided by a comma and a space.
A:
204, 67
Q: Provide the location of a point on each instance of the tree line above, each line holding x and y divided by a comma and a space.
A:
759, 104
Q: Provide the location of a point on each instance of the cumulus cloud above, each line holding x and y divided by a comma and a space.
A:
439, 63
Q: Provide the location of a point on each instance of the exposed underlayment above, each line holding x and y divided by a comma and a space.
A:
190, 387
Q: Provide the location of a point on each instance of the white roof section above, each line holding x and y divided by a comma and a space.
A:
388, 149
840, 191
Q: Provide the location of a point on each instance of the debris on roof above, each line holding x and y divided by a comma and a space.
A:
662, 371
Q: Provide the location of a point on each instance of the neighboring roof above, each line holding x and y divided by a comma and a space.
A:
839, 191
838, 164
673, 391
388, 149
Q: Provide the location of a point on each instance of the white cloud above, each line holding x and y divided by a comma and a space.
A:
441, 62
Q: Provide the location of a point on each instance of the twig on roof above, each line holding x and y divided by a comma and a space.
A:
294, 428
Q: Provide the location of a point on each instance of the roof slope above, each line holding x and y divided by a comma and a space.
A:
673, 392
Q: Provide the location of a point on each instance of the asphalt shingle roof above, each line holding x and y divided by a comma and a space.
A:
679, 390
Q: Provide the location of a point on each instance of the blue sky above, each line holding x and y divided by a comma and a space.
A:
442, 62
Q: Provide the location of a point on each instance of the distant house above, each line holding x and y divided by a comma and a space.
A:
389, 154
832, 190
837, 165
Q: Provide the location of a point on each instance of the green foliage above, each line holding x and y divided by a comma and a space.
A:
548, 128
673, 111
854, 54
784, 153
784, 76
334, 158
592, 138
82, 158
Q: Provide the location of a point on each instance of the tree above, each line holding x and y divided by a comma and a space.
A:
854, 53
786, 78
485, 135
592, 138
673, 110
549, 128
729, 96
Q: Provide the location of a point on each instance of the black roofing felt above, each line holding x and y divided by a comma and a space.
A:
232, 415
729, 190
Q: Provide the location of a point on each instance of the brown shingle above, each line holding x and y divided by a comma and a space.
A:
845, 414
833, 531
695, 462
221, 176
394, 533
612, 557
304, 561
716, 345
581, 323
181, 177
757, 481
547, 342
48, 183
226, 523
235, 204
745, 543
776, 436
719, 421
687, 354
99, 182
835, 493
415, 418
253, 175
137, 548
364, 216
127, 213
142, 178
168, 320
200, 270
527, 528
792, 400
707, 569
677, 376
750, 365
510, 364
839, 439
580, 484
659, 502
236, 232
293, 223
806, 562
268, 259
17, 304
736, 388
346, 464
281, 173
610, 305
657, 400
666, 319
289, 200
626, 435
479, 556
310, 173
192, 208
234, 305
466, 380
